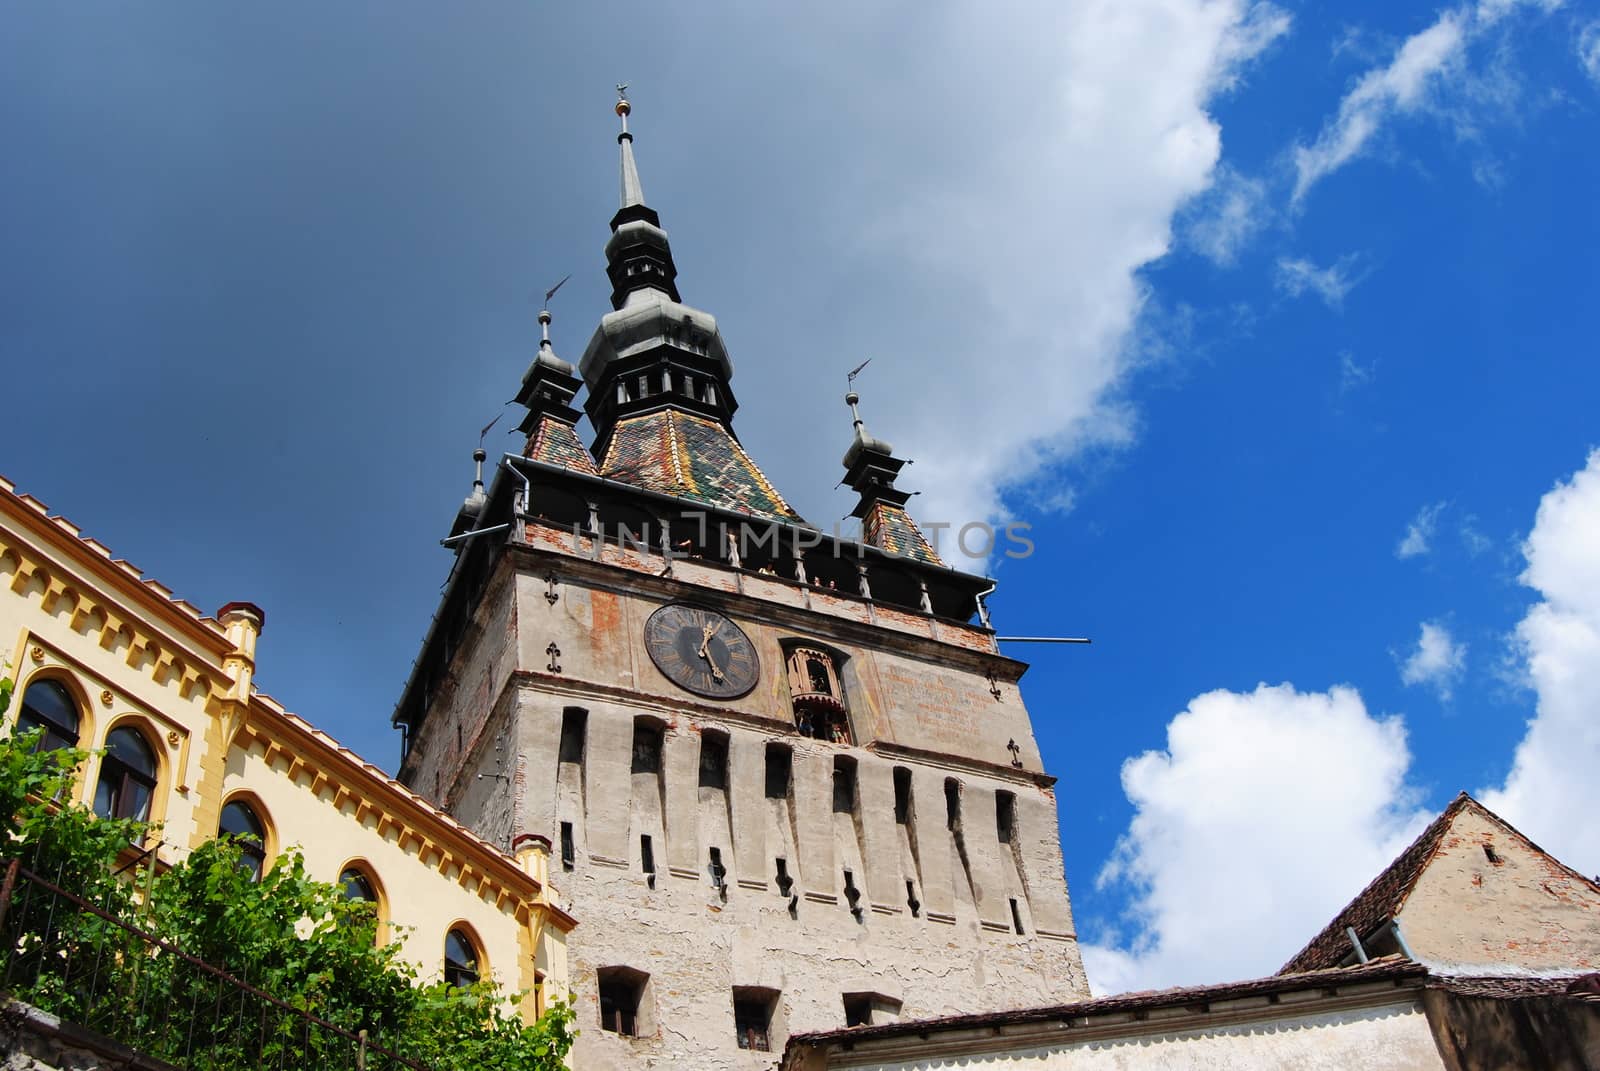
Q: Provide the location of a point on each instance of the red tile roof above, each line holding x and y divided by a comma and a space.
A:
1388, 968
1383, 898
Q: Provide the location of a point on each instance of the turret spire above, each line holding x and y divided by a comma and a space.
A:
547, 390
870, 470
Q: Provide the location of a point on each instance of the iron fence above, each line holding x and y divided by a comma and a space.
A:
86, 965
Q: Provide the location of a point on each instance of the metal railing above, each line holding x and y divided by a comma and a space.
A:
84, 964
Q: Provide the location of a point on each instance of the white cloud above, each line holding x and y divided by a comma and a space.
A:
1472, 538
1438, 661
1418, 539
1425, 62
1589, 49
1224, 218
1004, 215
1353, 374
1297, 276
1552, 793
1267, 811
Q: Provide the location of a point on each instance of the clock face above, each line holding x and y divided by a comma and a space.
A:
701, 651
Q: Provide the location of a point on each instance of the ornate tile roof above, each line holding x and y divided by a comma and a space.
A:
555, 442
693, 458
890, 527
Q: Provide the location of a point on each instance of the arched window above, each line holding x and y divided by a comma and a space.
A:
460, 958
240, 821
357, 886
49, 706
127, 776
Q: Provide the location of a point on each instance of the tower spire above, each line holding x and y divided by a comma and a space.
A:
658, 371
638, 256
632, 191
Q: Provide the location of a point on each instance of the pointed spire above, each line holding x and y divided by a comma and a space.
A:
870, 470
472, 507
547, 390
632, 191
638, 257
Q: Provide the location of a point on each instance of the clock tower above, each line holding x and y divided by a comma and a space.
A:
785, 781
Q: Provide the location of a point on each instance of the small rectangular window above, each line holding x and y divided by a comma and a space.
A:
844, 785
1016, 916
568, 852
713, 760
902, 795
1005, 816
952, 804
647, 854
574, 723
857, 1009
646, 748
752, 1020
780, 760
621, 991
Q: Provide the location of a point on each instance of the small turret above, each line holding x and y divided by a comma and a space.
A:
548, 388
472, 505
870, 470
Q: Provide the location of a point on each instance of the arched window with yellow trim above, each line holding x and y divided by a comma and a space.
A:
48, 705
244, 824
127, 783
462, 960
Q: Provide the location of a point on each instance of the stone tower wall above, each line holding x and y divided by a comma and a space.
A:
992, 924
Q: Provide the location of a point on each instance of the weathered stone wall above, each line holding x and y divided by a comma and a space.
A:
915, 702
485, 658
1556, 1033
1519, 908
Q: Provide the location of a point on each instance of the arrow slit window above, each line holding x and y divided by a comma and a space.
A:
817, 695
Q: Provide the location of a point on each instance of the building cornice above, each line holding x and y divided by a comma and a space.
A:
187, 649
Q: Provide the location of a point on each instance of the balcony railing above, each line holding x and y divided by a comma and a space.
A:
83, 964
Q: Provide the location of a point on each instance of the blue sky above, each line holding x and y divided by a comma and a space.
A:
1274, 320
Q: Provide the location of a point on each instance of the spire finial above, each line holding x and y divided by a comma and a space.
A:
544, 313
632, 191
852, 399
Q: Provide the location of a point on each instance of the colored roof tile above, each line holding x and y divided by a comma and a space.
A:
891, 528
692, 458
555, 442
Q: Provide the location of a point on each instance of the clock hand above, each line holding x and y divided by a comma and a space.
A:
704, 652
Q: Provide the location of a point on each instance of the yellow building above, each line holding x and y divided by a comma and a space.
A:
106, 660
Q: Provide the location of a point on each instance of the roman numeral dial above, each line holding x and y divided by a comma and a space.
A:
701, 651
